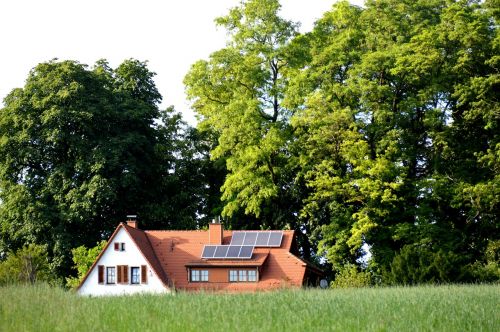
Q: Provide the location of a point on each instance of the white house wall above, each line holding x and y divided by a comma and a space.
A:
131, 257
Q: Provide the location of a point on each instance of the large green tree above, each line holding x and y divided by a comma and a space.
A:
378, 129
396, 129
238, 92
82, 147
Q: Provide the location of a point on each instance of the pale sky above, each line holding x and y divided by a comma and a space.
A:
171, 35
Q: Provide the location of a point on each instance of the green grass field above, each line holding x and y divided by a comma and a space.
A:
429, 308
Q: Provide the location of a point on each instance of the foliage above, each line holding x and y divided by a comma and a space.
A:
378, 128
417, 265
238, 94
27, 265
82, 147
349, 276
444, 308
83, 258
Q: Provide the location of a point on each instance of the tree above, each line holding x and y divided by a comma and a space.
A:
29, 264
238, 93
83, 258
79, 149
396, 133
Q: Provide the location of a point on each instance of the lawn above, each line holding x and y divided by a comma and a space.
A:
425, 308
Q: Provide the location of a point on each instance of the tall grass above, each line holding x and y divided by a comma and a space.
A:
429, 308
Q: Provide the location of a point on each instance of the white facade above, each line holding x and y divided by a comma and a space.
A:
130, 256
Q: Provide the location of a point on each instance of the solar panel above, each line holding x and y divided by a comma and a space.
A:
250, 238
227, 252
237, 238
262, 239
233, 252
221, 252
246, 252
208, 251
275, 239
257, 238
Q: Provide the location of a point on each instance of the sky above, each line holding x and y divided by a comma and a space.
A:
170, 35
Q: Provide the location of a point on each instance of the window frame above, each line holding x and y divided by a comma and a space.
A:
110, 277
252, 275
243, 275
233, 275
196, 275
137, 276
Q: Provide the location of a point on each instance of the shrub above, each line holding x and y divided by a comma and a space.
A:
350, 276
416, 264
83, 258
27, 265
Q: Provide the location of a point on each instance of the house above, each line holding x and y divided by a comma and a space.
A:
153, 261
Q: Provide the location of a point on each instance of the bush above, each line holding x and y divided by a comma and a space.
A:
27, 265
83, 259
350, 276
490, 270
416, 264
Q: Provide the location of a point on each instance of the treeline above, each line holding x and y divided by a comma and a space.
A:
375, 136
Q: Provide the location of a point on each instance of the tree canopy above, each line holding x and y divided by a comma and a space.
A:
82, 147
378, 129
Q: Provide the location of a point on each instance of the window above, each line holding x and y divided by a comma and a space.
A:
119, 246
110, 275
199, 275
134, 272
242, 275
233, 275
195, 275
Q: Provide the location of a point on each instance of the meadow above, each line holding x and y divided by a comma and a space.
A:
423, 308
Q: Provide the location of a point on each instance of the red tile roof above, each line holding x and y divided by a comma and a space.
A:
171, 253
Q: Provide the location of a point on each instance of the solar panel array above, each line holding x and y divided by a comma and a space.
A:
227, 252
242, 245
257, 238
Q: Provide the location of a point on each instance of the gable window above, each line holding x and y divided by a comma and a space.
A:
199, 275
110, 275
134, 272
119, 246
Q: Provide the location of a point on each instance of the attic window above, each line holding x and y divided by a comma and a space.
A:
119, 246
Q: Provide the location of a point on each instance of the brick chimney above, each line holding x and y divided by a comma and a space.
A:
132, 220
215, 230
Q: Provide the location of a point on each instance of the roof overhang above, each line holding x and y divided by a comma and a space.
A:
257, 261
